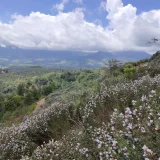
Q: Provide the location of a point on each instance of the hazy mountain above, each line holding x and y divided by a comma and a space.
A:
122, 56
99, 56
71, 59
131, 55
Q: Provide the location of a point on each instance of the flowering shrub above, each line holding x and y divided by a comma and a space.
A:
128, 133
122, 122
20, 140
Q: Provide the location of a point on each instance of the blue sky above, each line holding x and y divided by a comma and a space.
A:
106, 25
25, 7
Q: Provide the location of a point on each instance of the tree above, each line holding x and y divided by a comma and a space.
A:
114, 67
36, 94
28, 99
1, 102
13, 102
68, 76
21, 89
49, 89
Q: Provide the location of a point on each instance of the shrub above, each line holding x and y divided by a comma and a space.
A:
129, 72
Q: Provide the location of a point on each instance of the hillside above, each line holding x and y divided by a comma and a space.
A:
22, 88
155, 58
110, 113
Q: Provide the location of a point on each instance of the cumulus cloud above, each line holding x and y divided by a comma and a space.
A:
70, 31
60, 7
132, 29
65, 31
113, 7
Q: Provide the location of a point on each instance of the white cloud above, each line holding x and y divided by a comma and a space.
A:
78, 1
65, 31
97, 22
70, 31
60, 7
102, 5
113, 7
3, 46
132, 29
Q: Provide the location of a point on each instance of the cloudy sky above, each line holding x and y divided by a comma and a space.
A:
80, 25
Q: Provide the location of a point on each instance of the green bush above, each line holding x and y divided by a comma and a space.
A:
21, 89
13, 102
129, 73
68, 76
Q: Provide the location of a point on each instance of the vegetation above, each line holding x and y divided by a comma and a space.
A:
40, 84
111, 113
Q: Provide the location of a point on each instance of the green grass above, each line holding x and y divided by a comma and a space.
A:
17, 116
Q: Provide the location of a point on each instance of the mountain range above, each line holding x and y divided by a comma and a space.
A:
64, 59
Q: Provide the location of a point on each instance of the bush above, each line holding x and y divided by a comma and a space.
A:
28, 98
122, 121
68, 76
21, 89
13, 102
129, 73
49, 89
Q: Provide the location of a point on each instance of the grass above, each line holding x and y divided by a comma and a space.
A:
17, 116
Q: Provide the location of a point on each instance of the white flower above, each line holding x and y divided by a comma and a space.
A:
114, 143
140, 107
151, 121
99, 145
143, 130
129, 126
136, 139
80, 133
112, 128
149, 124
143, 98
150, 96
152, 91
128, 111
134, 147
144, 147
134, 102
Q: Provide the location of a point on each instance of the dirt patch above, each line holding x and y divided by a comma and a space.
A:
39, 104
141, 65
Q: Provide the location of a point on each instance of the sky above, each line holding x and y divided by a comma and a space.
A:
80, 25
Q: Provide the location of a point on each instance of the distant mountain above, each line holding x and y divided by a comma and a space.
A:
121, 56
63, 59
131, 56
99, 56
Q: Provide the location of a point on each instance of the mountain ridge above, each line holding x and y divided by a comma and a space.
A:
75, 59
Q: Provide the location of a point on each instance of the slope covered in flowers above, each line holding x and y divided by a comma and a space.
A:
121, 122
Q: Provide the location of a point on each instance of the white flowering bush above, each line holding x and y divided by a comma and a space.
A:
20, 140
122, 122
130, 133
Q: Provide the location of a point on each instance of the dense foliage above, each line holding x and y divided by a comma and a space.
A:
88, 116
40, 84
